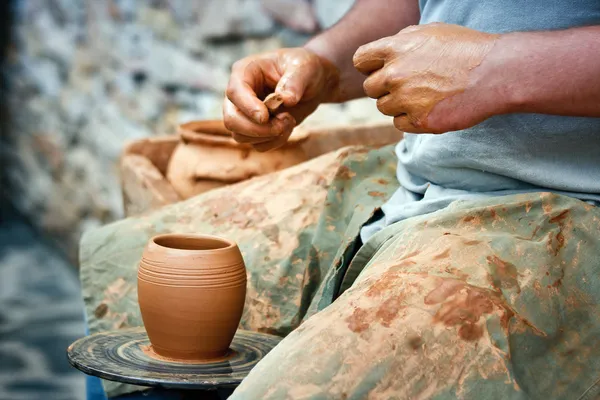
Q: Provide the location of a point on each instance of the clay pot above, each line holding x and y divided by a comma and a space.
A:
191, 291
208, 157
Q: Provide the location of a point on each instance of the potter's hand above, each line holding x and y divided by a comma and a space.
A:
303, 79
426, 77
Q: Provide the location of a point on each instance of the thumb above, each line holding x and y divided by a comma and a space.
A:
292, 85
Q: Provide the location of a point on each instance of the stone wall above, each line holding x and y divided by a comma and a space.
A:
87, 76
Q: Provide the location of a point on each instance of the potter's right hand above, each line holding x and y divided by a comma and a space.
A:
302, 78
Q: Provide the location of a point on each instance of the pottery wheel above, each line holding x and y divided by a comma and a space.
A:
119, 356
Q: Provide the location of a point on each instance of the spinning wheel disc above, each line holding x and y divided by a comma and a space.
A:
120, 356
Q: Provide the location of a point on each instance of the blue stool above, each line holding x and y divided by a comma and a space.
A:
94, 391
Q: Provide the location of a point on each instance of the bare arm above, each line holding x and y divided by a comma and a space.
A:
554, 72
368, 20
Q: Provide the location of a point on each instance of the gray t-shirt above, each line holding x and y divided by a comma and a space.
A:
505, 154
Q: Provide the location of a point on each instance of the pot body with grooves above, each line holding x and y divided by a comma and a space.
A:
191, 291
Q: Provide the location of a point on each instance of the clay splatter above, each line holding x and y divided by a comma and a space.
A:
560, 219
503, 275
345, 173
463, 306
415, 342
101, 310
359, 320
388, 311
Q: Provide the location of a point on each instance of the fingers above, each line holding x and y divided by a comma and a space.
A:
402, 124
263, 144
293, 84
376, 85
406, 123
245, 82
271, 135
297, 76
249, 139
366, 66
238, 122
392, 104
396, 106
371, 56
272, 144
249, 80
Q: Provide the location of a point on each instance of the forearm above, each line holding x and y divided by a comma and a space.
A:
367, 21
554, 72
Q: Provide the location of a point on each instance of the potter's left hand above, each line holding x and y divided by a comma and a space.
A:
430, 78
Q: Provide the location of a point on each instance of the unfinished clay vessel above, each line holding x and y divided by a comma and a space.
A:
191, 291
208, 157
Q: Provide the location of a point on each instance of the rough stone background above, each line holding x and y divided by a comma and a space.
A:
87, 76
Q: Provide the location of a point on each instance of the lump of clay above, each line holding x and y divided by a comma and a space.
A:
273, 101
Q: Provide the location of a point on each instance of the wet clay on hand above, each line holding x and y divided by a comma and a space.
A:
416, 69
191, 291
298, 76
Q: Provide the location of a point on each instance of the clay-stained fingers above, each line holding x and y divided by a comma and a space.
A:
372, 56
392, 104
272, 144
405, 123
238, 122
293, 84
250, 139
402, 123
276, 142
245, 83
377, 84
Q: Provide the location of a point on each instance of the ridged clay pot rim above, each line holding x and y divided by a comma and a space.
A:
229, 243
160, 268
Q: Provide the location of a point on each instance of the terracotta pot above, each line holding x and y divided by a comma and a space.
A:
191, 291
208, 157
